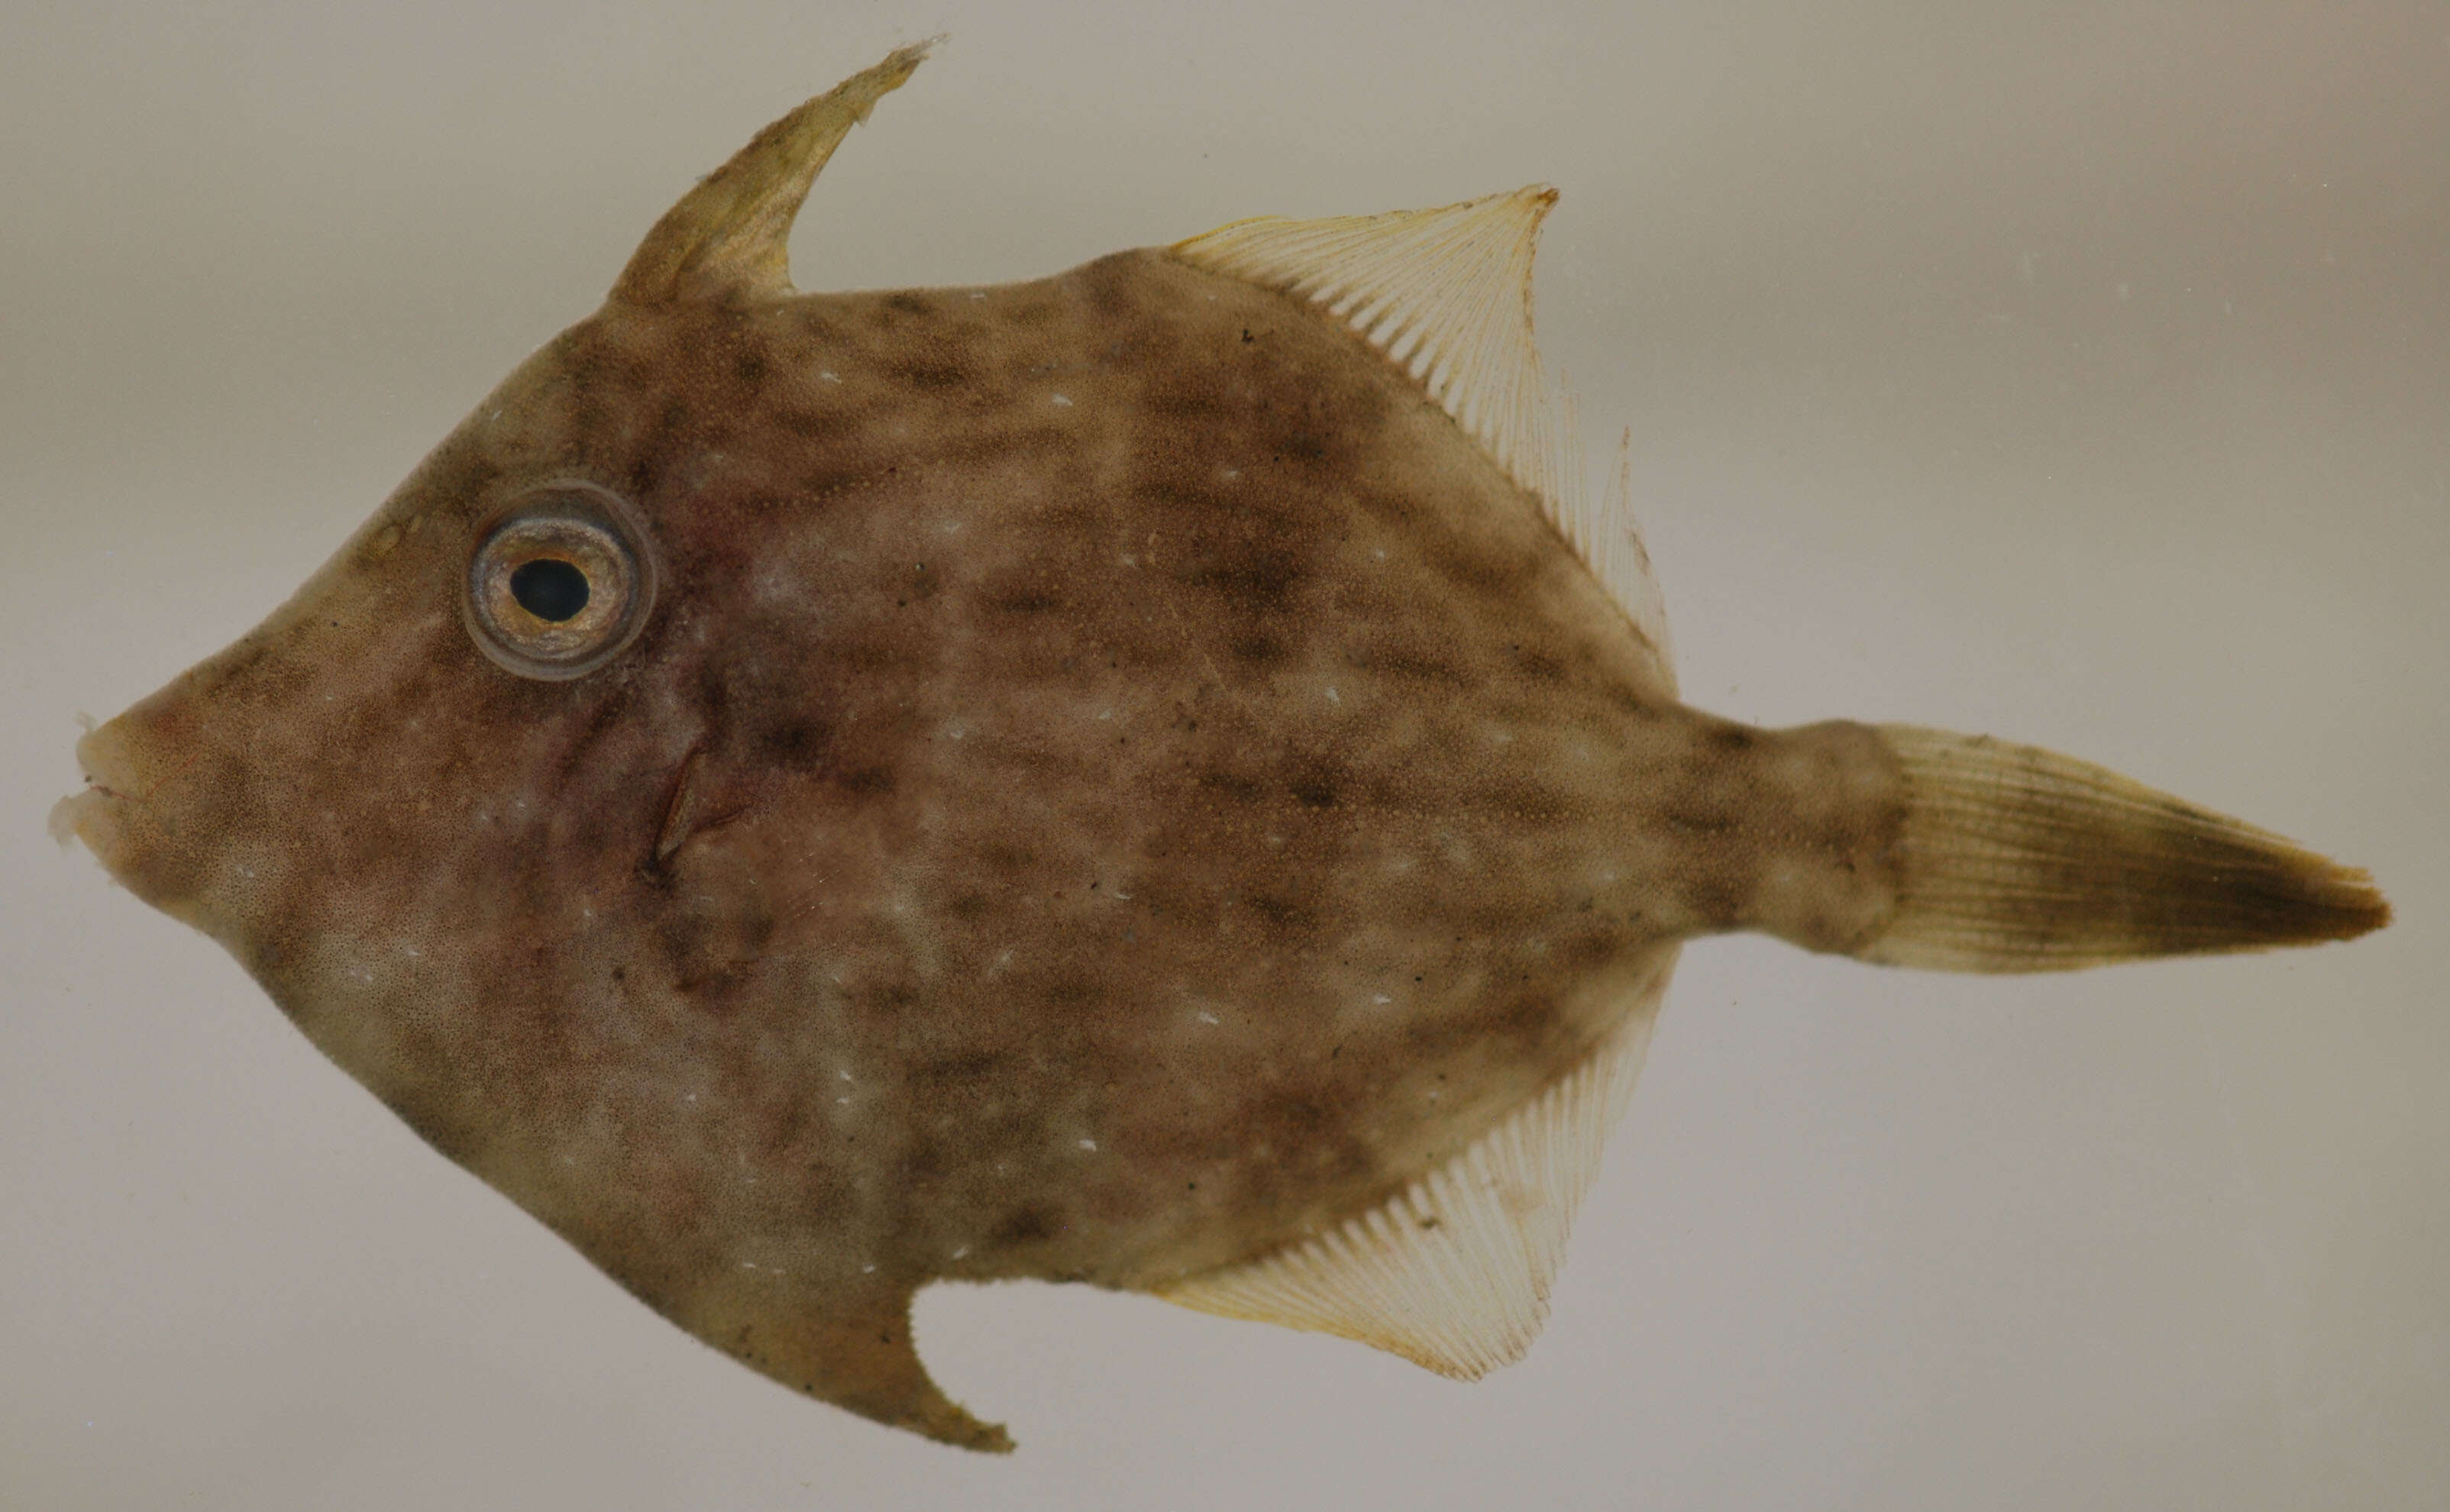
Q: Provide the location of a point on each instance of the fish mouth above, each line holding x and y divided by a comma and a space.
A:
96, 815
71, 816
156, 830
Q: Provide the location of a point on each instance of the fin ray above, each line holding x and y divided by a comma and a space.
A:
2012, 857
1445, 295
1452, 1273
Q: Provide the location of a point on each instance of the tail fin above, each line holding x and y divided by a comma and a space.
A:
2016, 859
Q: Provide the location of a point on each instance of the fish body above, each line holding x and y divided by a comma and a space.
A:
1142, 777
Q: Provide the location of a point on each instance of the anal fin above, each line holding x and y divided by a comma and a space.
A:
1453, 1271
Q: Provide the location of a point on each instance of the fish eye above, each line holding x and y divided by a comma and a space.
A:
560, 581
550, 588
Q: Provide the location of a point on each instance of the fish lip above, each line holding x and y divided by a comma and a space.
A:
102, 759
83, 816
75, 817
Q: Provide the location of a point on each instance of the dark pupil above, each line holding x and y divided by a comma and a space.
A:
549, 588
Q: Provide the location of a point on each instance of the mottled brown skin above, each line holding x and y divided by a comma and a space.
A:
1229, 768
1115, 780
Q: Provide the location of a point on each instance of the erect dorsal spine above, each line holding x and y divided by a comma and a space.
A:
728, 240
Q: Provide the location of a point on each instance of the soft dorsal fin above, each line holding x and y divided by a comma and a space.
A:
1452, 1273
1608, 540
728, 239
1445, 294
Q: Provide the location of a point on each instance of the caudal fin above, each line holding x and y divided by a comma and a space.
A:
2017, 859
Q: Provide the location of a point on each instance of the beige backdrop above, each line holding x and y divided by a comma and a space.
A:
2073, 372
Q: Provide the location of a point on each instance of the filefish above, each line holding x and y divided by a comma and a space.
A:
1155, 777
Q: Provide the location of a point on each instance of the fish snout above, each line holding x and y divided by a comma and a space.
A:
111, 777
136, 814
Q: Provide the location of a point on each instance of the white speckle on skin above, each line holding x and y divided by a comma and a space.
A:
1381, 999
1105, 713
1061, 401
978, 293
828, 375
1332, 696
847, 1077
961, 1252
866, 1268
1090, 1144
1207, 1017
1230, 473
1379, 552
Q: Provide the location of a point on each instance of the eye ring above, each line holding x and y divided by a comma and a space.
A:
560, 582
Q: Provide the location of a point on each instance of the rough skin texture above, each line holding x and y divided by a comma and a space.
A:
1113, 781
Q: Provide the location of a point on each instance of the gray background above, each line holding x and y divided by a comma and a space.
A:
2077, 373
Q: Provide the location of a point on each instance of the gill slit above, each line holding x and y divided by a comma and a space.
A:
680, 810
